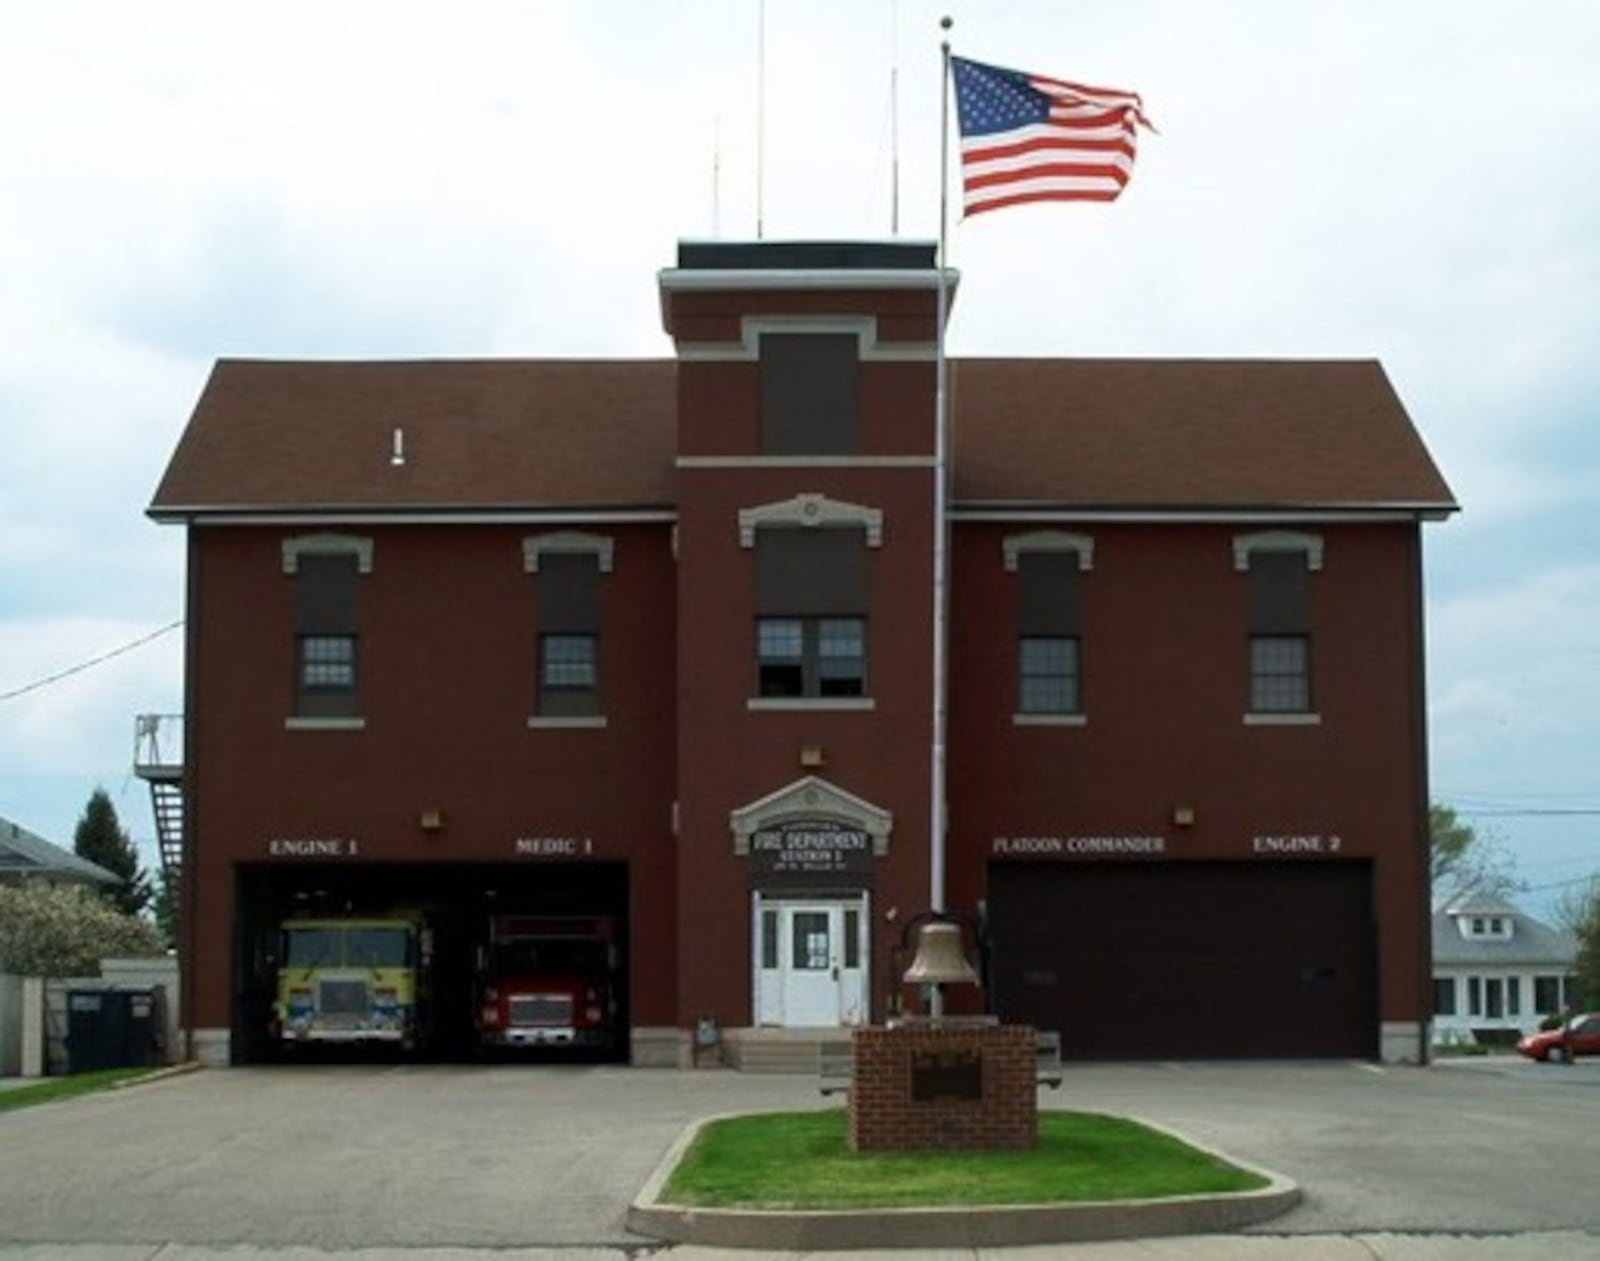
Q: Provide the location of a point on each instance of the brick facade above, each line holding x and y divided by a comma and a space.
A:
894, 1066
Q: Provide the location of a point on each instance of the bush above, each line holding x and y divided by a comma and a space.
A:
65, 930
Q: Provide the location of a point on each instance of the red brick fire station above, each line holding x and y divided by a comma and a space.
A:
649, 645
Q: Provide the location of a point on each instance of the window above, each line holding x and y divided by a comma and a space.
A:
327, 570
566, 568
1048, 671
567, 663
1494, 998
769, 939
1474, 996
810, 383
1280, 674
1444, 996
812, 949
1547, 995
1513, 996
327, 664
1049, 566
811, 656
1278, 566
811, 613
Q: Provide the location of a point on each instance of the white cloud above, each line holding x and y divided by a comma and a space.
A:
391, 177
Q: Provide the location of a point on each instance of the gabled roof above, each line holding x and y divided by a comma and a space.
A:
1532, 941
537, 435
26, 856
1189, 433
1476, 902
533, 434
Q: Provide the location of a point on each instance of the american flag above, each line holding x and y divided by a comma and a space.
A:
1028, 138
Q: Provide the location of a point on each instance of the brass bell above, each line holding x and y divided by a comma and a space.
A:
940, 960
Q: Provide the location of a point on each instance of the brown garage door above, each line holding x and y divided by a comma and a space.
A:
1188, 960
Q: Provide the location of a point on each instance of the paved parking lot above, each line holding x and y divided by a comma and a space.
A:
332, 1158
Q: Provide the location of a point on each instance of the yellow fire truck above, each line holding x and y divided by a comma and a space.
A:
352, 979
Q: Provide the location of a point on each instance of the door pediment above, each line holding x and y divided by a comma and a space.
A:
811, 799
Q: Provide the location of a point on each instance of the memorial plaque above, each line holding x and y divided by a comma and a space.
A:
950, 1074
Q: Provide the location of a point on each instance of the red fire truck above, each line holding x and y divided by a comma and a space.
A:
546, 980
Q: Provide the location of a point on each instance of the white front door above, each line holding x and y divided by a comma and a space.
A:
811, 961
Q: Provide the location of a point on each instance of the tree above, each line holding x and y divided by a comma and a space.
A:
164, 907
65, 930
100, 839
1462, 859
1578, 912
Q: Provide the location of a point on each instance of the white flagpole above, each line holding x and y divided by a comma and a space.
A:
941, 603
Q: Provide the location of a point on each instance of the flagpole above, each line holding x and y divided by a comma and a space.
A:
936, 810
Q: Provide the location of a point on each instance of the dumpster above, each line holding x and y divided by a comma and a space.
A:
112, 1028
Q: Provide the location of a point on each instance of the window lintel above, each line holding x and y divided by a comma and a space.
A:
567, 543
327, 545
1014, 546
1245, 545
810, 510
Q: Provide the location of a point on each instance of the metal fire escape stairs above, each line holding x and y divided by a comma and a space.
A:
158, 760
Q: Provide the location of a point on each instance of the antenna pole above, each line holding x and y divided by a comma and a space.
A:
761, 117
894, 118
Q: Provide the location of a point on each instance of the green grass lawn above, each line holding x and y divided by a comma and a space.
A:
803, 1160
53, 1088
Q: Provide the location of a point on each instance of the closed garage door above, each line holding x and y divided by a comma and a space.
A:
1188, 960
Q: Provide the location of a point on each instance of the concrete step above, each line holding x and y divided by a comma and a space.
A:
778, 1050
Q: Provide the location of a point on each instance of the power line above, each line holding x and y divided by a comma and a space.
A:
89, 664
1530, 812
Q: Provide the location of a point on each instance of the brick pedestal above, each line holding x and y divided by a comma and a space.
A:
943, 1086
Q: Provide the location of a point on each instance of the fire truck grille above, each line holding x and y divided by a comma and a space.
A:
342, 998
541, 1009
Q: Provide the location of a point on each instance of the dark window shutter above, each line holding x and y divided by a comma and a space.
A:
811, 571
1048, 595
327, 587
568, 587
810, 384
1280, 594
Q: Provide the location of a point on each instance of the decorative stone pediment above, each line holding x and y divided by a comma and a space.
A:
1015, 546
1244, 545
811, 800
567, 543
811, 511
327, 545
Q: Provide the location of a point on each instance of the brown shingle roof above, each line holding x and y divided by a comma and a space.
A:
553, 434
477, 433
1204, 433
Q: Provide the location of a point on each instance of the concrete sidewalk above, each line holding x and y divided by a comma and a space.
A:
510, 1163
1545, 1246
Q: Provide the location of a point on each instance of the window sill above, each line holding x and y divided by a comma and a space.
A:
324, 724
548, 722
1283, 720
1049, 720
809, 704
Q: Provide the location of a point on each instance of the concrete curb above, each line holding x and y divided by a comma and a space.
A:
996, 1226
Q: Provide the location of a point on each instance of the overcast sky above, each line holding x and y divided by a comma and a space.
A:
1407, 181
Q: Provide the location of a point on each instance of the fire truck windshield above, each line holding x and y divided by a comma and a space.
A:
547, 956
346, 947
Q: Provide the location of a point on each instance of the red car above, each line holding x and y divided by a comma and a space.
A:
1580, 1036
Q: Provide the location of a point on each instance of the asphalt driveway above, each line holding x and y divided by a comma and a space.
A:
510, 1157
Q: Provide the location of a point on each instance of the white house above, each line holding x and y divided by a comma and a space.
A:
27, 856
1496, 970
